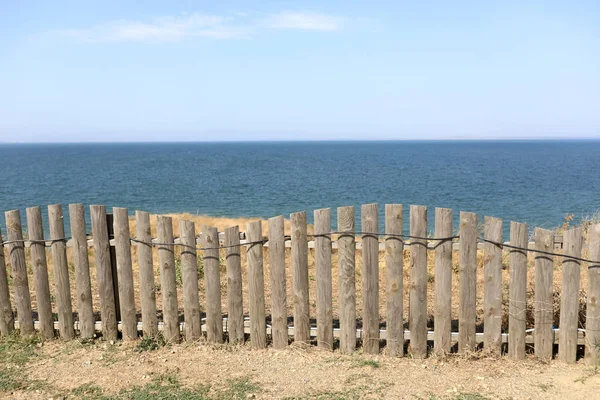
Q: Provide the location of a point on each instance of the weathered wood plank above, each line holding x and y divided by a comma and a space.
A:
370, 278
544, 297
61, 272
19, 271
467, 281
517, 291
300, 277
443, 282
492, 285
347, 279
235, 301
189, 265
592, 325
569, 296
40, 271
7, 320
125, 273
212, 279
146, 266
85, 309
418, 288
278, 279
104, 272
394, 262
168, 283
324, 279
256, 286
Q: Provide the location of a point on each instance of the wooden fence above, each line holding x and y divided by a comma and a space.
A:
116, 288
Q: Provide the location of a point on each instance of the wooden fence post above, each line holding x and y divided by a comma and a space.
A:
592, 320
7, 321
300, 277
467, 281
323, 277
277, 274
189, 265
19, 271
492, 285
125, 273
569, 296
104, 272
233, 262
40, 271
394, 248
147, 284
214, 316
347, 279
256, 286
168, 283
443, 282
370, 278
544, 298
81, 260
61, 272
418, 287
517, 291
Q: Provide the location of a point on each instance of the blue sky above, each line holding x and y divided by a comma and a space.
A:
283, 70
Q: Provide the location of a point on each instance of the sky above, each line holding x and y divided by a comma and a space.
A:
81, 71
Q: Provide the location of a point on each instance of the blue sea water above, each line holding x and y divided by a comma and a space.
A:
536, 182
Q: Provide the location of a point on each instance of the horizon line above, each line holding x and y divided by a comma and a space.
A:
530, 139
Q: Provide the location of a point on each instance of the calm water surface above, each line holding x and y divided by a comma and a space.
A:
533, 182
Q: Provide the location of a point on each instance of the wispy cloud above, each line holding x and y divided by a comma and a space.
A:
163, 29
304, 21
238, 25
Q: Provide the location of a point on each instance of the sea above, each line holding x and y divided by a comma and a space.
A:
534, 182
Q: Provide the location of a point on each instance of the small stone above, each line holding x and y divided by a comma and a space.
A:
87, 363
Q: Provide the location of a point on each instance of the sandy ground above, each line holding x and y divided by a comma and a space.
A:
302, 373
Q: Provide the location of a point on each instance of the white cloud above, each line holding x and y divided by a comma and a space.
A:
162, 29
304, 21
237, 25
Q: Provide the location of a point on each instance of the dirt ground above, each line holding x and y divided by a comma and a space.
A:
58, 370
